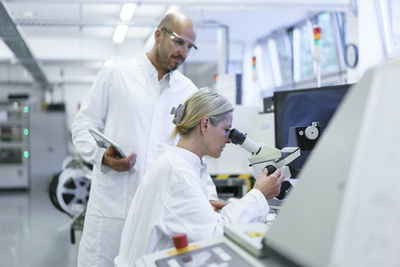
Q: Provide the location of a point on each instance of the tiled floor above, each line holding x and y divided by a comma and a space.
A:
33, 232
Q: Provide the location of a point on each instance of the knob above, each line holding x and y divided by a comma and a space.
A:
180, 241
271, 169
311, 132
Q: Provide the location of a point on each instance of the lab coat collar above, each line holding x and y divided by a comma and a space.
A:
154, 72
189, 156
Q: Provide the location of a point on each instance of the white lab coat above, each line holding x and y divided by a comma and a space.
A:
132, 107
173, 199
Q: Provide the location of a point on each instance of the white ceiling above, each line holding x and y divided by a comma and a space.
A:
63, 33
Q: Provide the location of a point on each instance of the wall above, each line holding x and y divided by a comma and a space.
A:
73, 97
363, 30
370, 43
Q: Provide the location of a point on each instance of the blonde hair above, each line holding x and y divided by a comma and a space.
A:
204, 103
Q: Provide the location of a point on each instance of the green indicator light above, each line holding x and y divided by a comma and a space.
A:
26, 154
26, 109
26, 131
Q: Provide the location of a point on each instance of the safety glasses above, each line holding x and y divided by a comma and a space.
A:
178, 43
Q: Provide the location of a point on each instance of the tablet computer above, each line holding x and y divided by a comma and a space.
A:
104, 142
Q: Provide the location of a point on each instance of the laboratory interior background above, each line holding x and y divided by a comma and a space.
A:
255, 52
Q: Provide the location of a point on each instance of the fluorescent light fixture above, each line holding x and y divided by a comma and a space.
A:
120, 33
127, 11
108, 62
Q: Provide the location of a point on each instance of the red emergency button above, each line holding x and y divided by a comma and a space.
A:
180, 241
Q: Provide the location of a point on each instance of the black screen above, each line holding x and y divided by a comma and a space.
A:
298, 108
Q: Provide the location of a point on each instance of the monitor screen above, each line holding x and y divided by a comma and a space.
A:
302, 107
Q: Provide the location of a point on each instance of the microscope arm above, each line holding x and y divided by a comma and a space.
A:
264, 156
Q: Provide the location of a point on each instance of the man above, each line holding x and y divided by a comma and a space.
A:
130, 103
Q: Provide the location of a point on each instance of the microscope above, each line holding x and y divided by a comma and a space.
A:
263, 156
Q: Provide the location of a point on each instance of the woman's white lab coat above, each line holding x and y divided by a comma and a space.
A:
173, 199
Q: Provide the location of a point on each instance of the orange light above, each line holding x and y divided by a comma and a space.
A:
214, 78
317, 33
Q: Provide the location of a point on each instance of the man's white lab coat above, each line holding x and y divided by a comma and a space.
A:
173, 199
131, 107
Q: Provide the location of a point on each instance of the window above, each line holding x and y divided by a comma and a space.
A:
273, 53
329, 60
302, 59
285, 57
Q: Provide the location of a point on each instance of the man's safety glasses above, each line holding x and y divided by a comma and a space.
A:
178, 43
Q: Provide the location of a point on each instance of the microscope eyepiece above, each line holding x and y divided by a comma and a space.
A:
237, 137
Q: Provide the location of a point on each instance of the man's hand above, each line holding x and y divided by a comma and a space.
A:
269, 185
218, 204
112, 159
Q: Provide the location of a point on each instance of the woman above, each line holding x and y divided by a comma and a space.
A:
173, 196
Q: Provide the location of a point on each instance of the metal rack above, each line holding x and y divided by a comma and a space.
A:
14, 145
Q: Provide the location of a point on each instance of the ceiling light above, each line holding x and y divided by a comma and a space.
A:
108, 62
120, 33
127, 11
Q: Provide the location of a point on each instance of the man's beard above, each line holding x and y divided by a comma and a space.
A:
165, 61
